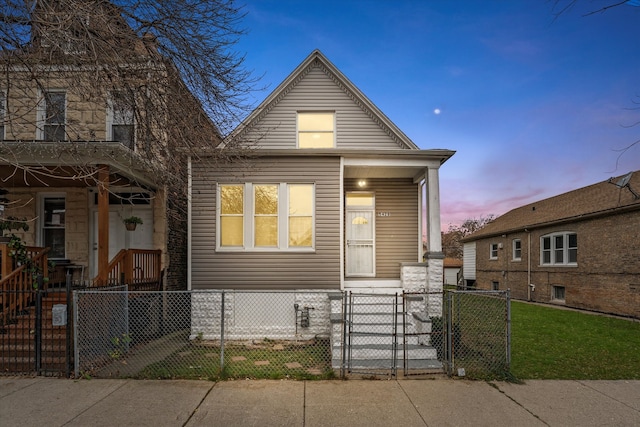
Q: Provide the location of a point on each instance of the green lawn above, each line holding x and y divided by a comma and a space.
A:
550, 343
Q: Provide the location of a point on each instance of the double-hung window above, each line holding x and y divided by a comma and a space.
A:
316, 130
493, 251
120, 120
559, 249
53, 225
53, 116
270, 216
517, 250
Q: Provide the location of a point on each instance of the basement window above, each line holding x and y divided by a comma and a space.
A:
558, 294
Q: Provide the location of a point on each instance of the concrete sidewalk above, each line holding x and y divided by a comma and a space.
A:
436, 402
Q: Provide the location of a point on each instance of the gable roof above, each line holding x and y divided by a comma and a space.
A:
603, 198
316, 58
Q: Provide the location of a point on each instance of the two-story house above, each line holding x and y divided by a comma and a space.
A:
84, 146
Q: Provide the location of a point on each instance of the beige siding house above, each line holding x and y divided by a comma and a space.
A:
330, 195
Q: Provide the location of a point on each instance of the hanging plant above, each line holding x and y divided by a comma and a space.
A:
131, 222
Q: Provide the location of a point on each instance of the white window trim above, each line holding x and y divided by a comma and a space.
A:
40, 229
565, 250
513, 250
491, 245
553, 294
111, 122
41, 111
249, 216
311, 112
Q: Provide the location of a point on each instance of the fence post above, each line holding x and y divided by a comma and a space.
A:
508, 302
222, 334
68, 328
38, 328
450, 332
76, 350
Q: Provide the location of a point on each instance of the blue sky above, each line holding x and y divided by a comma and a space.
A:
533, 106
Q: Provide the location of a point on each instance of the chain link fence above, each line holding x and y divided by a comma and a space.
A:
476, 331
202, 334
298, 335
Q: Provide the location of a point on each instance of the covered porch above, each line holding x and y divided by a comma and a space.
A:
74, 203
391, 237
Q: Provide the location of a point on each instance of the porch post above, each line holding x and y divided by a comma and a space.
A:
434, 239
434, 256
103, 223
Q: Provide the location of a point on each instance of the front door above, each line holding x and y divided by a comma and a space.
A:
360, 234
119, 237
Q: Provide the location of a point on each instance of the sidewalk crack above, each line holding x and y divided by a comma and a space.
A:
518, 403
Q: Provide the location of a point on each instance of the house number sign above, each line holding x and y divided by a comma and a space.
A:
384, 213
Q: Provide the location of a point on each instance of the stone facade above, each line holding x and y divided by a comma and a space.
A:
258, 315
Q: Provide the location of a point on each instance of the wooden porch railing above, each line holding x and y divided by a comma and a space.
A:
17, 289
139, 268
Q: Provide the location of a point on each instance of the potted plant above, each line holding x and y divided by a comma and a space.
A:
131, 222
11, 223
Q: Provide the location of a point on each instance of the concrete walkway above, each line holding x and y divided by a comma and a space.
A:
435, 402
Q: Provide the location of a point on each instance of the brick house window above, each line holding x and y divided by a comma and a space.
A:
517, 249
558, 293
559, 249
495, 286
493, 253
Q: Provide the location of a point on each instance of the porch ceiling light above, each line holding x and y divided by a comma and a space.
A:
362, 183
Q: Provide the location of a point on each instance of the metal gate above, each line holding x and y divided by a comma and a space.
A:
370, 344
464, 333
36, 340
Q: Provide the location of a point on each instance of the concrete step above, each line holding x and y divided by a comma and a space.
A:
382, 351
426, 364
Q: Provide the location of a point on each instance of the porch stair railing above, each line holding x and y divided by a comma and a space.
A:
139, 268
17, 281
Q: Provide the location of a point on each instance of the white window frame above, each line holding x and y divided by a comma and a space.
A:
554, 293
41, 226
111, 120
516, 246
41, 113
565, 235
493, 251
333, 131
249, 219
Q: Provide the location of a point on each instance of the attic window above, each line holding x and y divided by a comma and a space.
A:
316, 130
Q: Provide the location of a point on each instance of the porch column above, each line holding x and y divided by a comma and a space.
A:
434, 239
103, 222
434, 256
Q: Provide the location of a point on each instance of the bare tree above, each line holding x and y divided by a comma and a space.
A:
169, 66
451, 245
